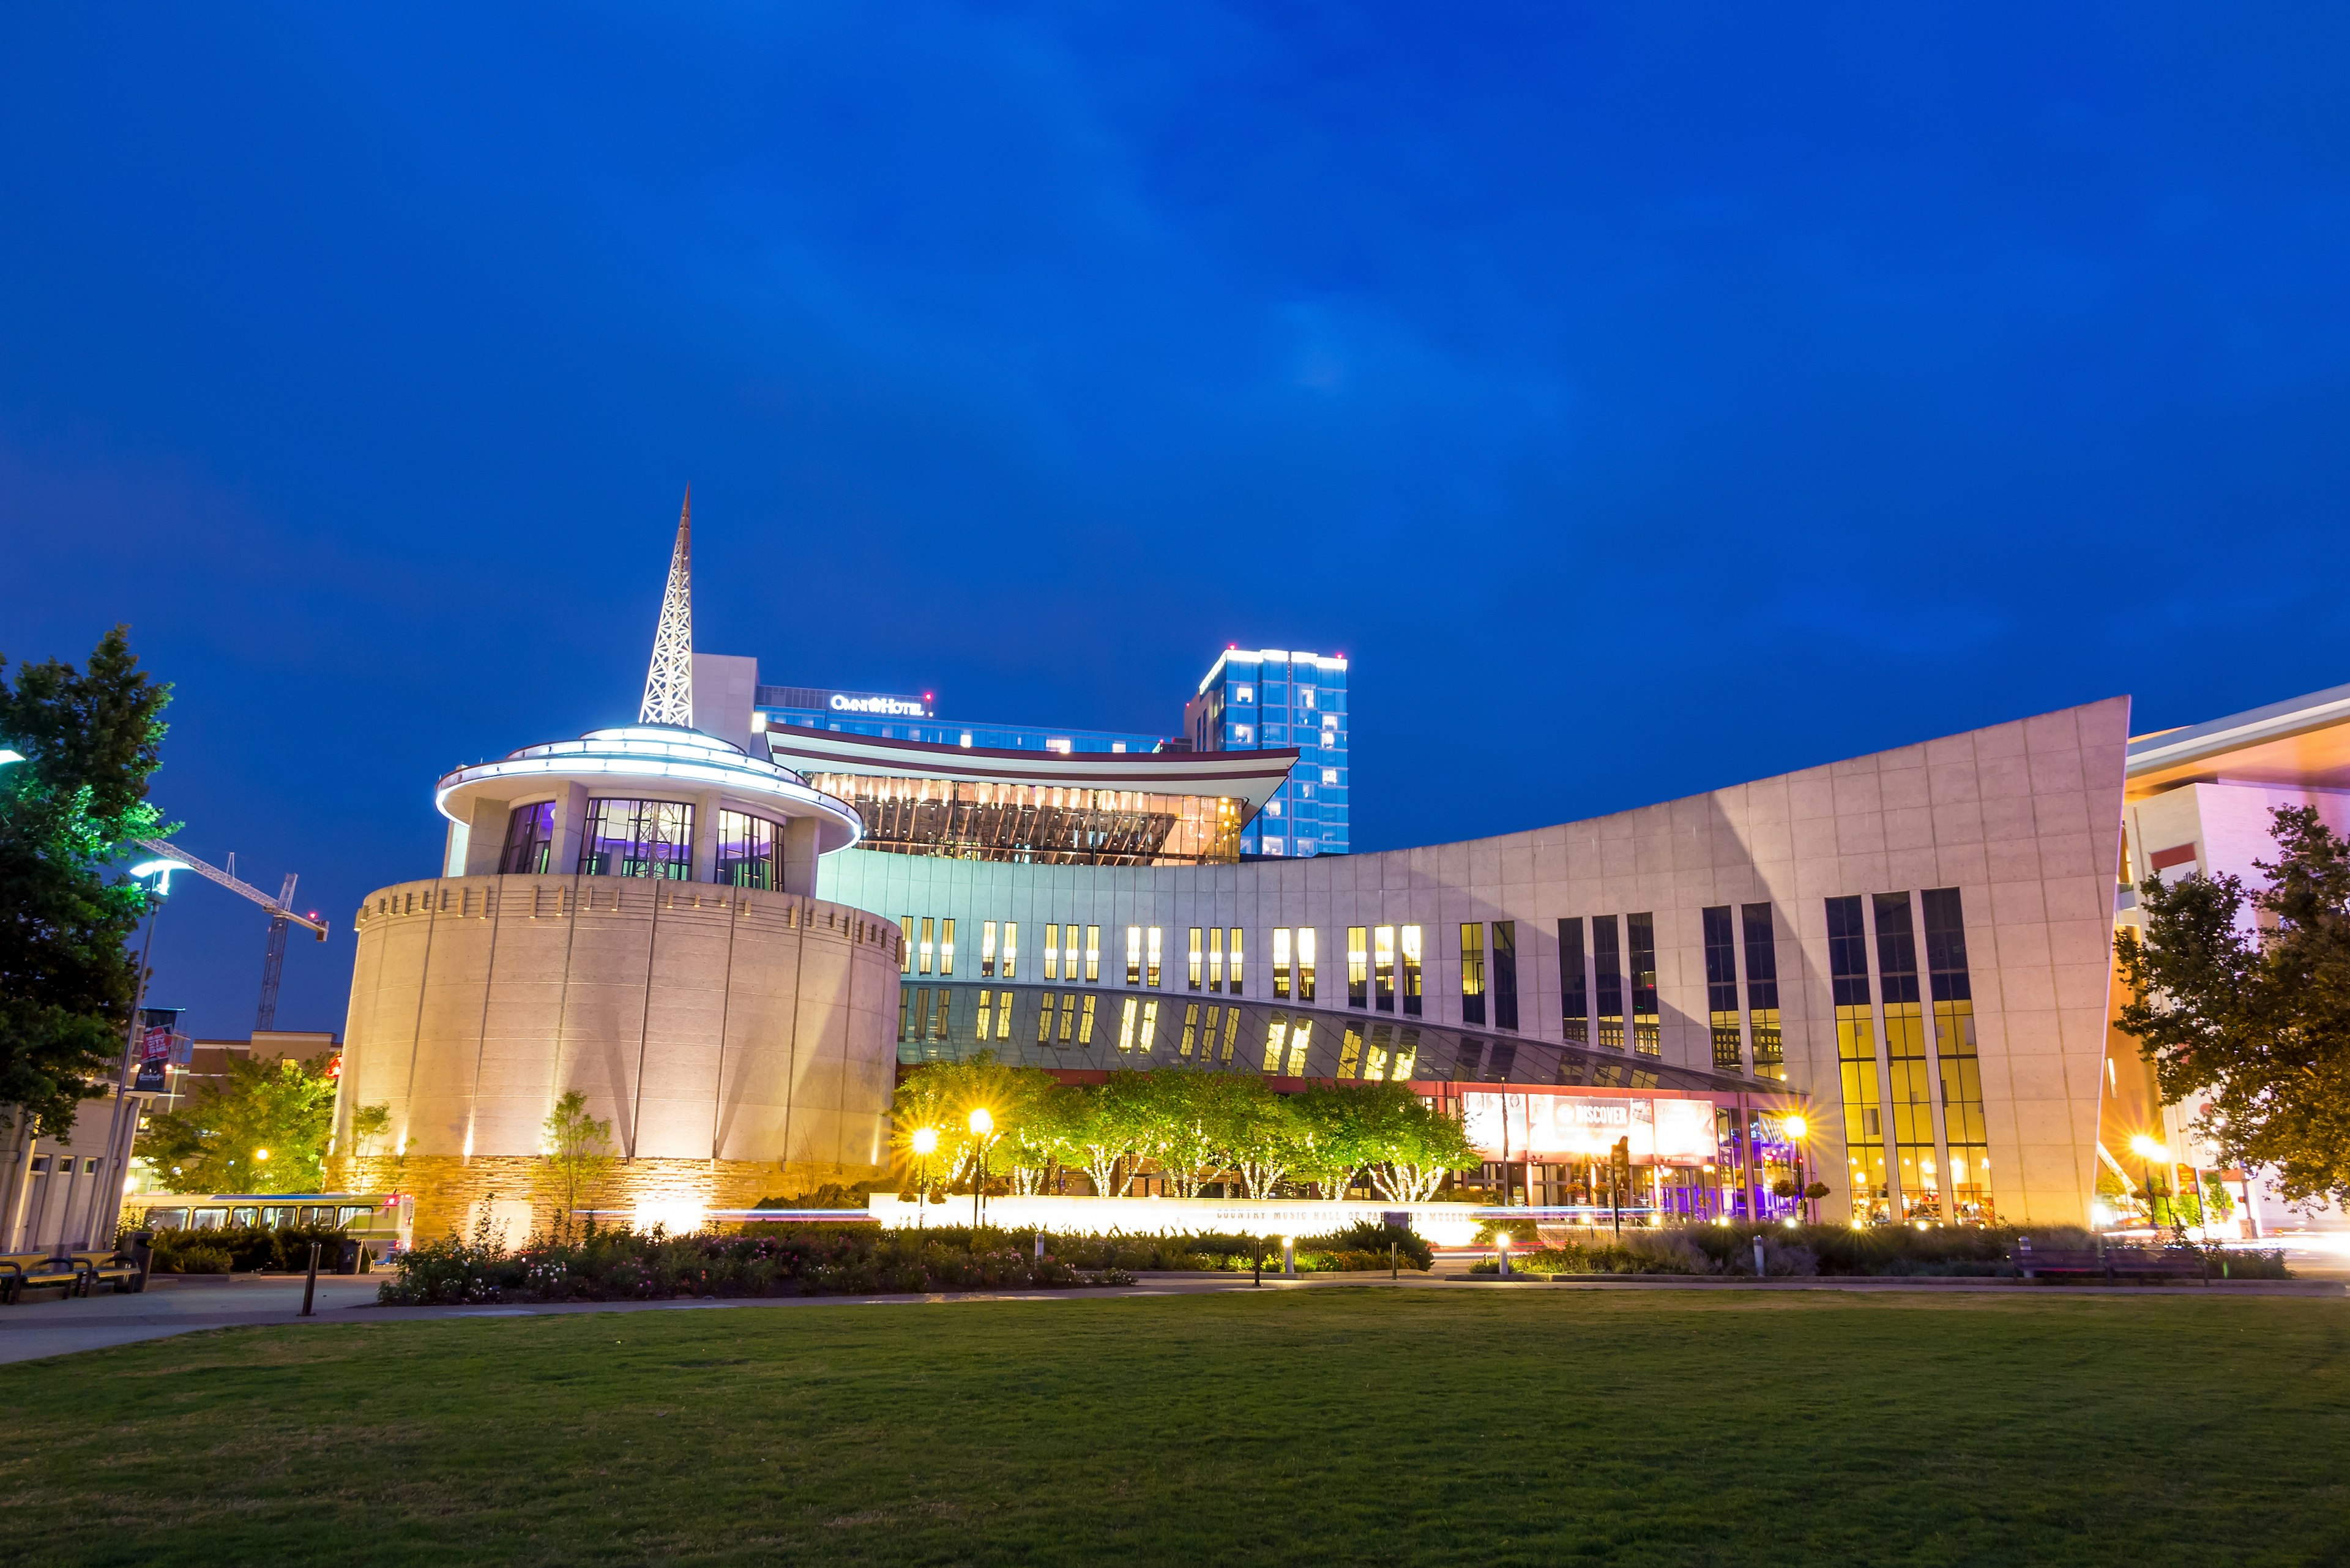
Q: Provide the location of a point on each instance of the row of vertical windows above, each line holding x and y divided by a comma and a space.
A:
1379, 1053
1301, 951
1142, 954
1727, 930
1380, 961
642, 838
1209, 961
1501, 980
1594, 1013
1205, 1034
928, 942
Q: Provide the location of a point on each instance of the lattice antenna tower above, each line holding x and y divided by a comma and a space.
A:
669, 684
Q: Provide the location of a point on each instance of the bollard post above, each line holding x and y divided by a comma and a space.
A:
1289, 1257
1393, 1272
1040, 1244
310, 1284
1257, 1259
1758, 1257
2023, 1255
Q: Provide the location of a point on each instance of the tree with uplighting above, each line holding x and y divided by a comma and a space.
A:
262, 1127
2241, 995
86, 742
576, 1150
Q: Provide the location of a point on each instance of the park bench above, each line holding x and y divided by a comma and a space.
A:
2113, 1263
116, 1267
20, 1269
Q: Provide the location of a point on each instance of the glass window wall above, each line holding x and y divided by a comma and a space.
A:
637, 838
745, 851
1473, 973
1864, 1125
1607, 977
1505, 974
1574, 990
1763, 991
530, 838
1721, 990
1640, 931
1954, 1046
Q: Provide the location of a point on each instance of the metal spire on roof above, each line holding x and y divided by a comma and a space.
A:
669, 684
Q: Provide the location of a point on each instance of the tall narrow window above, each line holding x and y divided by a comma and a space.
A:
1276, 1037
1085, 1020
986, 1009
1908, 1074
1640, 936
1473, 973
1012, 950
1134, 955
1573, 990
1126, 1023
1153, 939
1234, 945
1407, 1055
1232, 1032
1093, 953
1216, 957
1300, 1034
1358, 966
1954, 1046
1191, 1030
987, 949
1505, 974
1304, 963
938, 1019
745, 851
1149, 1033
1044, 1020
1721, 990
1053, 953
1762, 992
1375, 1053
1350, 1052
1383, 969
1207, 1032
906, 944
946, 945
923, 964
905, 1001
1864, 1125
1408, 979
530, 839
1281, 963
1607, 975
1198, 958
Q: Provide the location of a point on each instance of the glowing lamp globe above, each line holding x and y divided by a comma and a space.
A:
982, 1123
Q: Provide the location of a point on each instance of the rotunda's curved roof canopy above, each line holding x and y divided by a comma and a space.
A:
654, 760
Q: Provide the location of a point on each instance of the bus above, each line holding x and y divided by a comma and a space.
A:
385, 1221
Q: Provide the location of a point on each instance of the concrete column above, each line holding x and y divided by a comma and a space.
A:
797, 845
485, 840
705, 837
570, 821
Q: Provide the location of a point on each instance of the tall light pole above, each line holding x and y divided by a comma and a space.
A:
1798, 1129
926, 1143
982, 1124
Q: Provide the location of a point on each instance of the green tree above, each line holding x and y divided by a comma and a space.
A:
1181, 1126
67, 980
1338, 1137
1409, 1147
1262, 1136
941, 1097
578, 1151
2242, 996
368, 1124
262, 1128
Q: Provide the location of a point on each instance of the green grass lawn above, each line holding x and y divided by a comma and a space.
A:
1534, 1424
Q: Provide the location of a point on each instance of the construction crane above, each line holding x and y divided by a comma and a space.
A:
281, 915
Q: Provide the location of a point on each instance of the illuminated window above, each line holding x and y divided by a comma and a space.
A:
1004, 1015
946, 945
1191, 1029
923, 965
1273, 845
1234, 945
1231, 1030
1505, 974
1607, 975
1068, 1014
1763, 991
1358, 967
1640, 934
1276, 1035
1134, 955
1300, 1035
1093, 952
1304, 963
1044, 1021
1375, 1054
1721, 990
906, 944
1406, 1057
1954, 1046
1473, 973
1383, 968
1305, 698
530, 838
987, 949
1012, 950
1350, 1052
1216, 957
986, 998
1574, 990
745, 851
1086, 1022
1197, 956
1148, 1035
1908, 1075
905, 1001
938, 1020
1053, 953
1411, 972
1154, 939
1126, 1025
637, 838
1330, 775
1281, 963
1863, 1130
1244, 693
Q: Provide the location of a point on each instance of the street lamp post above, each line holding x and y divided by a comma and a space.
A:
1798, 1129
926, 1143
982, 1124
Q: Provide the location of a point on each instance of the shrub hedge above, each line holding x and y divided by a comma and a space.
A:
245, 1249
1836, 1249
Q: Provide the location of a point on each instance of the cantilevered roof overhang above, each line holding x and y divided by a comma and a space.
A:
1250, 776
2302, 741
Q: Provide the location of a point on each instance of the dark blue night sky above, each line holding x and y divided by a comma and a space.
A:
1644, 400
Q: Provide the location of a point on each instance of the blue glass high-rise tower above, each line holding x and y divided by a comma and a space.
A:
1275, 698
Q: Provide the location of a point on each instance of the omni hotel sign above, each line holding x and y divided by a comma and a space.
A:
885, 707
1521, 1127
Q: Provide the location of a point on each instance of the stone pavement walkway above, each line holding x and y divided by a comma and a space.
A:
37, 1329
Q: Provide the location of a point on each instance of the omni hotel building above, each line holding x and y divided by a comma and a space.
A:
732, 937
